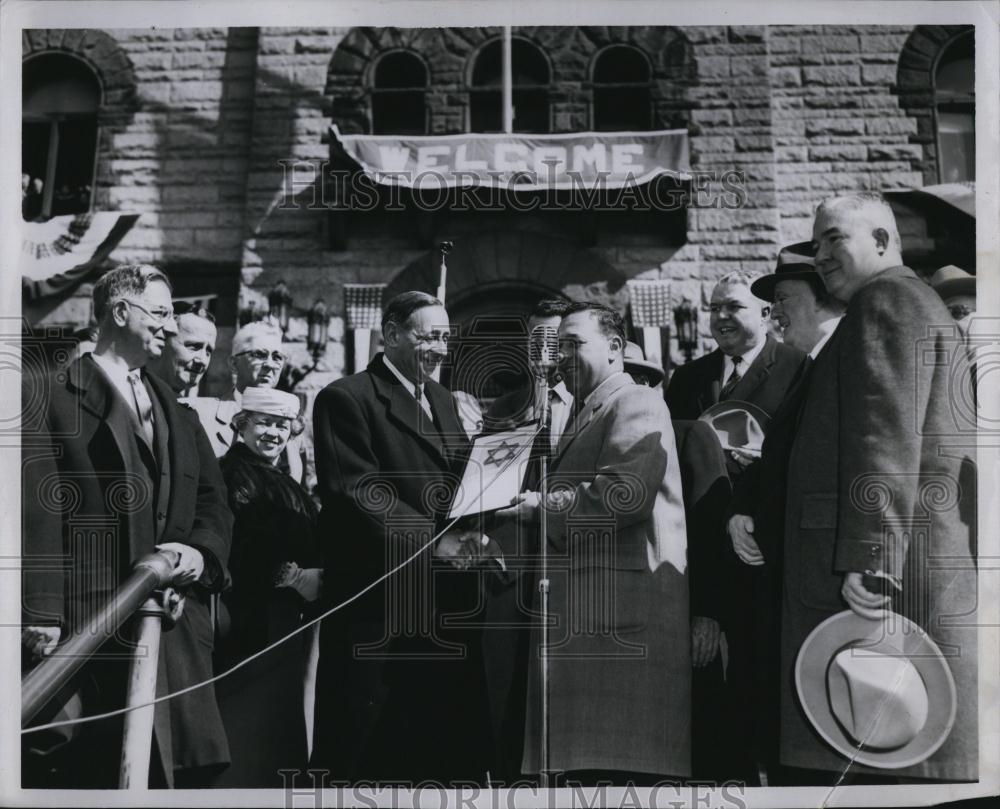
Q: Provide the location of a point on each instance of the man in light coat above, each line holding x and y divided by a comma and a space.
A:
619, 653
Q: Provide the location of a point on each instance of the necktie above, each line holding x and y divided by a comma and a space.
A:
734, 377
418, 394
143, 406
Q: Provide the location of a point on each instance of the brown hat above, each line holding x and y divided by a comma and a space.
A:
951, 280
795, 262
635, 360
879, 692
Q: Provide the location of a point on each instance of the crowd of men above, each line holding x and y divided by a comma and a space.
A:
687, 569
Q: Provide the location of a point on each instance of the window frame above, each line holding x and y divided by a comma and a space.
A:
374, 91
54, 121
950, 104
483, 89
595, 85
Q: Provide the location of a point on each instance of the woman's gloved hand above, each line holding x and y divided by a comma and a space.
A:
307, 582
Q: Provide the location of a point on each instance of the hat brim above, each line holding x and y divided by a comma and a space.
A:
645, 367
956, 286
732, 406
763, 287
849, 629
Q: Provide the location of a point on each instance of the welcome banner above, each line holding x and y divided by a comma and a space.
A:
519, 162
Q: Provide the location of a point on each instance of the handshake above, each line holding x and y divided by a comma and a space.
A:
465, 548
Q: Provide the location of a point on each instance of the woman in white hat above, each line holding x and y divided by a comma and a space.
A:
276, 577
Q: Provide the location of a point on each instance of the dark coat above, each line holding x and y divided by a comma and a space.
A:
695, 386
873, 485
398, 691
86, 467
261, 704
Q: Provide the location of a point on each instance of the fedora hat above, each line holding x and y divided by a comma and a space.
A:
635, 360
738, 425
796, 262
951, 280
879, 692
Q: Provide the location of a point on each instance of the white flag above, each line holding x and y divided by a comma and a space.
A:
494, 472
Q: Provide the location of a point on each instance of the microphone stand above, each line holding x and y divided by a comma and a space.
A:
543, 581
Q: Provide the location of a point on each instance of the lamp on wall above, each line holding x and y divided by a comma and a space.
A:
319, 330
279, 301
686, 324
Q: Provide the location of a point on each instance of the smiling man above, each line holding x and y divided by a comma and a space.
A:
137, 464
401, 695
749, 365
873, 494
187, 354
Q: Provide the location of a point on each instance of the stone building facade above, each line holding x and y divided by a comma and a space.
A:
197, 128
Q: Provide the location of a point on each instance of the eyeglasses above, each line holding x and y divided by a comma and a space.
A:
960, 311
262, 355
434, 337
160, 315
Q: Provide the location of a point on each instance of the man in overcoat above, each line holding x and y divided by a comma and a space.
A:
620, 650
872, 514
114, 468
400, 693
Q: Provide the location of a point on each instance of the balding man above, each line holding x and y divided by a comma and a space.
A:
872, 500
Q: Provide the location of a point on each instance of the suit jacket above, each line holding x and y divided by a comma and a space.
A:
386, 475
695, 386
619, 660
874, 477
96, 493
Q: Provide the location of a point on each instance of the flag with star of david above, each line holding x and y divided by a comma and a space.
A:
494, 471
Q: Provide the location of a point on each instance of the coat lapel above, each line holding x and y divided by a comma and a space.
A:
711, 385
403, 409
99, 399
757, 373
596, 401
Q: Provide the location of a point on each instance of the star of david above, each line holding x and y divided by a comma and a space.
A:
501, 453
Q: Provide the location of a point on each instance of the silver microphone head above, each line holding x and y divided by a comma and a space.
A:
543, 349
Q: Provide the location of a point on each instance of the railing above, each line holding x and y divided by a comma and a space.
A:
41, 684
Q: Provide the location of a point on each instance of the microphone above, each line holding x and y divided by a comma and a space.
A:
543, 350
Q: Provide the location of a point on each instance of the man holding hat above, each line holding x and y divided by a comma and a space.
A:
872, 515
807, 316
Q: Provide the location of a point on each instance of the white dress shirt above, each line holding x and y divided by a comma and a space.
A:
410, 386
827, 327
118, 375
746, 362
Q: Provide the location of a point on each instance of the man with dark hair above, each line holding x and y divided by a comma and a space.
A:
749, 365
141, 471
618, 659
400, 693
187, 353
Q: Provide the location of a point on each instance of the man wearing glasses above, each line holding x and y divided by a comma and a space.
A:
256, 361
401, 691
113, 469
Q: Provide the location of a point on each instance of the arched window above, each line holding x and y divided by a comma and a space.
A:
955, 103
60, 99
530, 88
399, 90
621, 90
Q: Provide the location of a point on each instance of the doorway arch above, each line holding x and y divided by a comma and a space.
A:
495, 278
